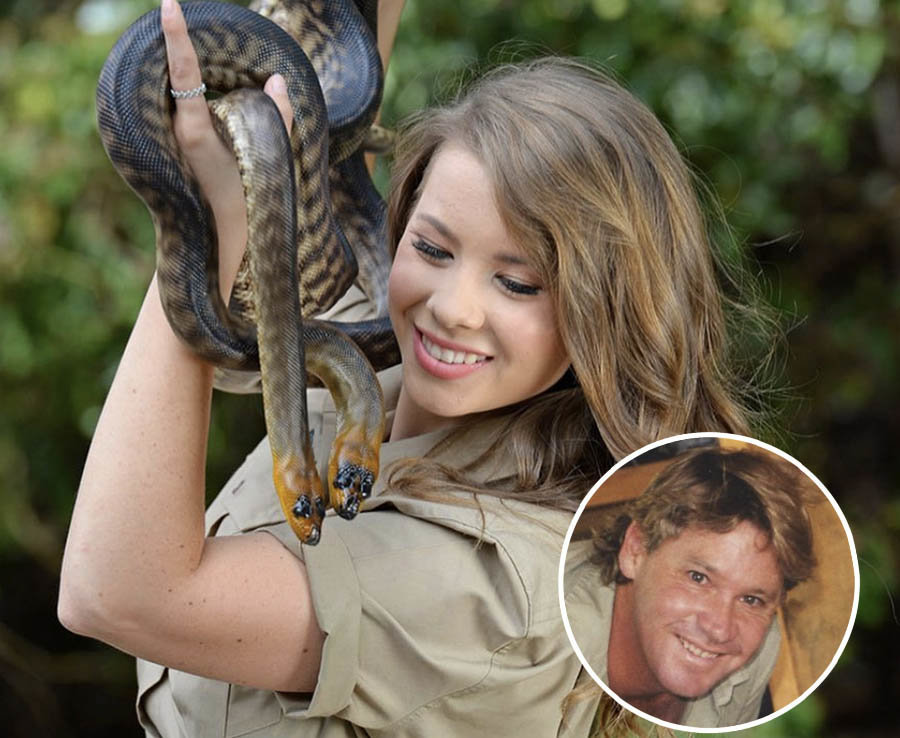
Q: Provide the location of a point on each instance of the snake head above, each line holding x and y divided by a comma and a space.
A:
300, 494
306, 518
303, 511
349, 487
352, 469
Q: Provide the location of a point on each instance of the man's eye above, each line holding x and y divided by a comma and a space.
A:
431, 252
696, 576
753, 601
518, 288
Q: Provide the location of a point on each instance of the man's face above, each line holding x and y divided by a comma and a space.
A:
703, 602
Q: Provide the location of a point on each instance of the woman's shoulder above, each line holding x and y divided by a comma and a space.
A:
518, 542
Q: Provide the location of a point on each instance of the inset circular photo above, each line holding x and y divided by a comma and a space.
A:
709, 582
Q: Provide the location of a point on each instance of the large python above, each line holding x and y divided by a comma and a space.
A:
333, 74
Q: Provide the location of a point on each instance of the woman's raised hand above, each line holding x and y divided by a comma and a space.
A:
212, 163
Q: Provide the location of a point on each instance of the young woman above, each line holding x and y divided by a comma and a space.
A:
555, 299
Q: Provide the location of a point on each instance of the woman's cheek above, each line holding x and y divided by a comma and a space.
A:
538, 336
402, 285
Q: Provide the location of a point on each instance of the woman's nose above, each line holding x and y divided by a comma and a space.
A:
455, 302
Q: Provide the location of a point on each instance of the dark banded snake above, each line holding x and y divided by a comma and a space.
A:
314, 217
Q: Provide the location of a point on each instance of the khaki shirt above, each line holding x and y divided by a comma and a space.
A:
440, 619
589, 605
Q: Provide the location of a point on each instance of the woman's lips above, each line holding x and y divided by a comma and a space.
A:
445, 362
448, 355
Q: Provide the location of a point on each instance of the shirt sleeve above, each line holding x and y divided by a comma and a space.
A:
439, 619
413, 612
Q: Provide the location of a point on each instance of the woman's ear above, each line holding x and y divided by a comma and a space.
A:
633, 551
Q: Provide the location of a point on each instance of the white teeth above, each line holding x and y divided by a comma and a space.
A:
691, 648
449, 356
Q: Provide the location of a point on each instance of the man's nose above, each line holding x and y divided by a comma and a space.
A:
456, 302
717, 619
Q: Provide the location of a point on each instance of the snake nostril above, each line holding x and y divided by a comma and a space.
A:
313, 538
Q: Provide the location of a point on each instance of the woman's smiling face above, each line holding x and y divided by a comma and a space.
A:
476, 327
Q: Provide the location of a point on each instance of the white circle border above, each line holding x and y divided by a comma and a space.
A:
565, 549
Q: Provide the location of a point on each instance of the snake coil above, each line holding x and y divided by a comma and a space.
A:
300, 191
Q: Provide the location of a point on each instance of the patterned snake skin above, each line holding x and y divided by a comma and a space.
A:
313, 215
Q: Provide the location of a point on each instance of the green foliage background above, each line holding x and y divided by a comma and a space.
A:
789, 109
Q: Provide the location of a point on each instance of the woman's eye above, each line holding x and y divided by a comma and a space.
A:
518, 288
430, 251
696, 576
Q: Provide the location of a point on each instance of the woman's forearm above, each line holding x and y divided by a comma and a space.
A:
138, 517
138, 571
137, 526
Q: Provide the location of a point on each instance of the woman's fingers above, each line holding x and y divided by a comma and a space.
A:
184, 70
185, 76
193, 122
213, 164
277, 90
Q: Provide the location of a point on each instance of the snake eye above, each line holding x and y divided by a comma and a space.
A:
345, 476
320, 507
302, 508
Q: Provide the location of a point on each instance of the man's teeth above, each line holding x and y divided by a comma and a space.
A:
691, 648
448, 356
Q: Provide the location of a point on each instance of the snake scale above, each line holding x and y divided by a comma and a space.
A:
315, 220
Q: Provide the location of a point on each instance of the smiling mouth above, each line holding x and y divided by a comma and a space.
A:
697, 651
449, 356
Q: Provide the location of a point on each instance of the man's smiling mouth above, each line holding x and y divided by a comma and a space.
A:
697, 651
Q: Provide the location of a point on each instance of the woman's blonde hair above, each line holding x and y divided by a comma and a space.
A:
594, 191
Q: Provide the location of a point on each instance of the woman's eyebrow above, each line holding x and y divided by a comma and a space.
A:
515, 259
440, 227
507, 257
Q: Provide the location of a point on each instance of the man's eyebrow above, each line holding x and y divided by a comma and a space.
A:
702, 563
757, 591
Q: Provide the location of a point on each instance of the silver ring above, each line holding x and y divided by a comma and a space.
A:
184, 94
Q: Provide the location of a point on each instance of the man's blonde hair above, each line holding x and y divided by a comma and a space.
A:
717, 489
